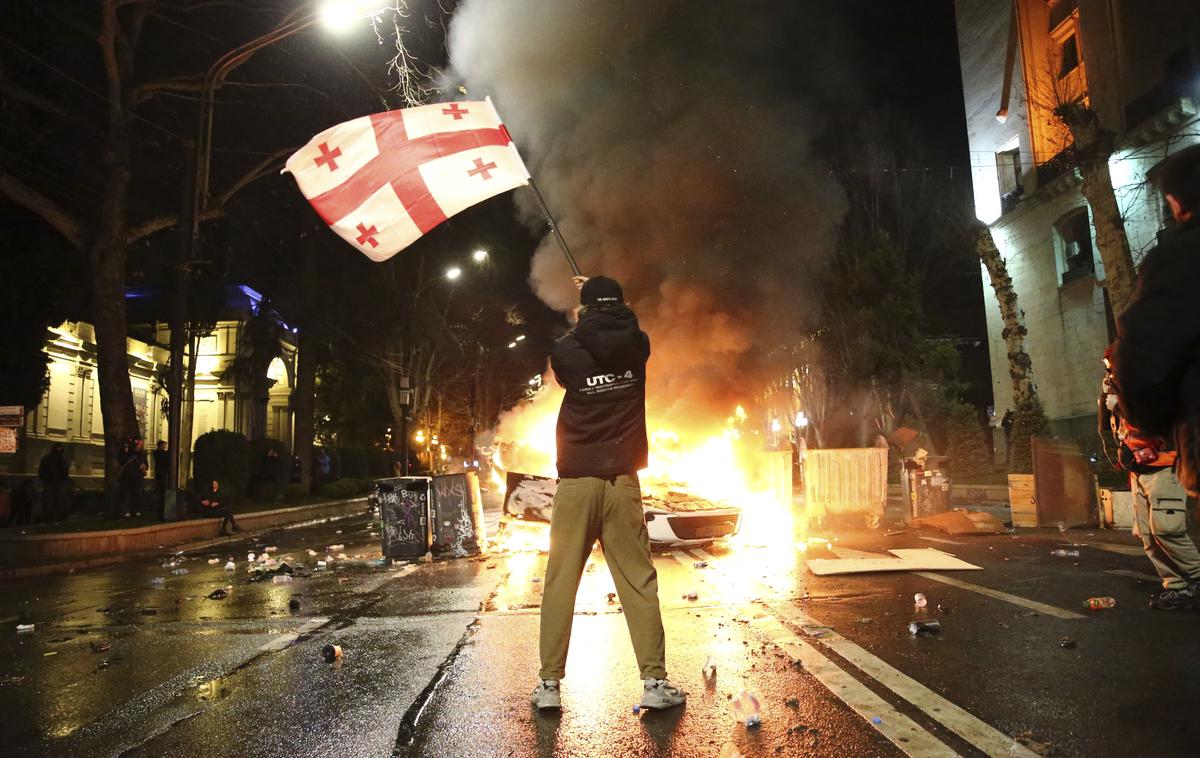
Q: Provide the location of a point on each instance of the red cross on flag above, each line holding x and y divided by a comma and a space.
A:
382, 181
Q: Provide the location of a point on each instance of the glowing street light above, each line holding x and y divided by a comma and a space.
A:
339, 15
801, 419
518, 338
453, 273
479, 256
512, 345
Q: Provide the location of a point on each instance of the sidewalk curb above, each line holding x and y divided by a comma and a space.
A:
66, 552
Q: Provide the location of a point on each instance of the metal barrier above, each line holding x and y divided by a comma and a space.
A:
851, 481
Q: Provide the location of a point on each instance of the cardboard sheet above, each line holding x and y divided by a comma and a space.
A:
961, 522
920, 559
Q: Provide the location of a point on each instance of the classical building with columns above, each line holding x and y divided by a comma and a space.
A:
1135, 63
69, 412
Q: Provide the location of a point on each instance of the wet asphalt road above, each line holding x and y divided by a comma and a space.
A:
439, 658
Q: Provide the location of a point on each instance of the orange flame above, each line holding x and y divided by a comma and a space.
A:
720, 463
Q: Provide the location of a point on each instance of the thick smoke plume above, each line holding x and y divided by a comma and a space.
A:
672, 142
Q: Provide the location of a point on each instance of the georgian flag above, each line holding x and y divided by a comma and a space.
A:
382, 181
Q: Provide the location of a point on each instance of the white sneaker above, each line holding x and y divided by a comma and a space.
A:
546, 695
660, 693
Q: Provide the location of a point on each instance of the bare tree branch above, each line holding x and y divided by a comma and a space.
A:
216, 208
51, 212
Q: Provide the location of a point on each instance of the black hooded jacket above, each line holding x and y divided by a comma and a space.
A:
1156, 358
601, 364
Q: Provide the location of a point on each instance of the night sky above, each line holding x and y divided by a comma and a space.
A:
898, 55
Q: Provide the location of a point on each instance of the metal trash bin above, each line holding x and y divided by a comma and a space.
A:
458, 527
927, 482
404, 504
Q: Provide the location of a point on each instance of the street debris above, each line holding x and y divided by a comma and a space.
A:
250, 557
691, 595
1033, 743
792, 702
262, 573
961, 522
213, 561
747, 709
24, 628
293, 605
335, 548
536, 579
331, 653
231, 566
1060, 553
1099, 603
700, 564
816, 630
100, 647
920, 559
179, 571
924, 628
49, 653
158, 581
1062, 526
876, 720
709, 672
895, 533
427, 558
919, 601
149, 611
281, 579
1067, 643
218, 594
612, 598
944, 608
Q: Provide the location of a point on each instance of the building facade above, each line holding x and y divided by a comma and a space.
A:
1133, 62
70, 409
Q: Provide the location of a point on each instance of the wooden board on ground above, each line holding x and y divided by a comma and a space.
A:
919, 559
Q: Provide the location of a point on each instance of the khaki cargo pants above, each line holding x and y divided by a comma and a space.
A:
1160, 511
610, 510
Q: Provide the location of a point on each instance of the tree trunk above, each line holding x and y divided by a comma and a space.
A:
306, 366
107, 257
1093, 148
1020, 367
1030, 416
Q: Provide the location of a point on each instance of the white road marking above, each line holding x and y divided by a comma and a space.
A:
977, 732
283, 640
982, 735
941, 540
911, 738
1048, 610
1118, 549
1135, 575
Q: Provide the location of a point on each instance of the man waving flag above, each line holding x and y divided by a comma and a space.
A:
384, 180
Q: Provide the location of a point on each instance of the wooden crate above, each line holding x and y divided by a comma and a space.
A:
1022, 499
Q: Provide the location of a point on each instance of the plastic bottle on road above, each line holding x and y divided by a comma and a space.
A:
747, 709
1065, 553
179, 571
281, 579
1099, 603
919, 601
710, 669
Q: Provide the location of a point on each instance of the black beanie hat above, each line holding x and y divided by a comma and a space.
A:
600, 290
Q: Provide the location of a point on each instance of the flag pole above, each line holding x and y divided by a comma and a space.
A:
554, 228
537, 194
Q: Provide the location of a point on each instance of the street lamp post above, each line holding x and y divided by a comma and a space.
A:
198, 179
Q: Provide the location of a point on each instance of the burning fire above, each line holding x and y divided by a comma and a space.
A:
721, 463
